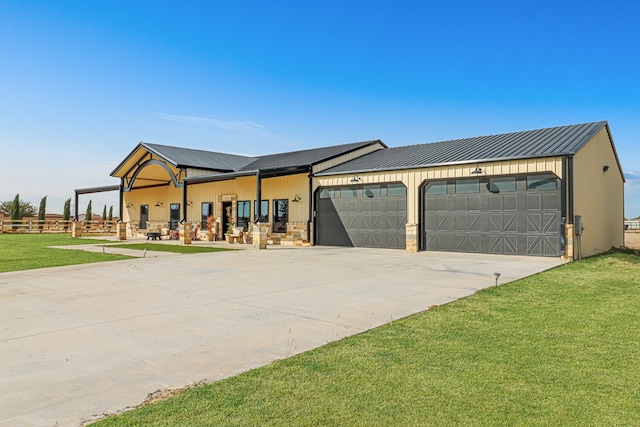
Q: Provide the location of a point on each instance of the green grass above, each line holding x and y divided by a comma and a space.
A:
556, 349
29, 251
181, 249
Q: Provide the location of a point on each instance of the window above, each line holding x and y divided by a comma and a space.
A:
280, 215
464, 186
207, 210
264, 211
436, 187
541, 182
396, 190
327, 193
371, 191
502, 184
244, 214
348, 193
174, 215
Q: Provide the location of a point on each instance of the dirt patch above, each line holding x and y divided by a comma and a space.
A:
632, 239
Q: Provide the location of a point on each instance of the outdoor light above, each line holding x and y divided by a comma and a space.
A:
159, 203
296, 199
605, 168
497, 276
189, 202
477, 170
129, 205
355, 178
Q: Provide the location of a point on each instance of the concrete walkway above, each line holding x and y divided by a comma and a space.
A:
81, 341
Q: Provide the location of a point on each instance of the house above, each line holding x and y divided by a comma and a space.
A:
546, 192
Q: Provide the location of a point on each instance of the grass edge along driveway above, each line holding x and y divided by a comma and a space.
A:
558, 348
29, 251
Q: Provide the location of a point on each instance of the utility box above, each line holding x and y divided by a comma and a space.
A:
579, 226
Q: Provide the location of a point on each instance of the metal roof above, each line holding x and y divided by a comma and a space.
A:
230, 163
200, 159
309, 157
556, 141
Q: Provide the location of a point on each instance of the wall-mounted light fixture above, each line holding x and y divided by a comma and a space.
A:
129, 205
296, 199
189, 202
159, 203
605, 168
477, 170
356, 178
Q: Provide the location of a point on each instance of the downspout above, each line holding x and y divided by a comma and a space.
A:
570, 208
570, 188
311, 202
563, 208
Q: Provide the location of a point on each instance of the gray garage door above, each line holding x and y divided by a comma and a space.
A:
518, 215
371, 216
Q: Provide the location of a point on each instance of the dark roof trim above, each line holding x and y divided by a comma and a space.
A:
264, 173
615, 153
97, 189
434, 165
127, 157
218, 177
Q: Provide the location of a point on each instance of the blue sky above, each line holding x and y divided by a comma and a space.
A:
82, 82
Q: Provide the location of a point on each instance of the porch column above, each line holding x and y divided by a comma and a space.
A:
76, 207
184, 201
258, 213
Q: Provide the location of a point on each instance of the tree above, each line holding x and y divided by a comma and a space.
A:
26, 208
88, 214
41, 212
110, 217
66, 213
104, 213
15, 210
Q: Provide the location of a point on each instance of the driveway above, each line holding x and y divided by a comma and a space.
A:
78, 342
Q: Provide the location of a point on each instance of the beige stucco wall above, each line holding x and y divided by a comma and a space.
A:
244, 188
413, 178
599, 195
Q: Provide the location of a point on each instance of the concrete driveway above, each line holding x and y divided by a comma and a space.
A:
81, 341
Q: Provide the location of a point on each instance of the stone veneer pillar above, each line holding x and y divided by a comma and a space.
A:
412, 237
76, 229
121, 230
568, 235
259, 235
187, 233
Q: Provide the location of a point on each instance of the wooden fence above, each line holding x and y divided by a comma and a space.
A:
55, 226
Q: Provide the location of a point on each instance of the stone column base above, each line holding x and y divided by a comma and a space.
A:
412, 237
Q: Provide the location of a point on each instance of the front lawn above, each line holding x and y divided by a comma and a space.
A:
556, 349
29, 251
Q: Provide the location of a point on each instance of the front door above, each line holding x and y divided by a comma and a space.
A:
144, 216
174, 216
226, 215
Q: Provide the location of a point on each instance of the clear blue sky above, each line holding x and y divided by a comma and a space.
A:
82, 82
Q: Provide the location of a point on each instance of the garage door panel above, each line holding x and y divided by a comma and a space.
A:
518, 221
550, 202
510, 202
363, 221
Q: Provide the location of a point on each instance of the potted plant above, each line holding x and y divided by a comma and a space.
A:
230, 226
210, 228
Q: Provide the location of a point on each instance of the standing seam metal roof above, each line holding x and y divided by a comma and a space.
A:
187, 157
561, 140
